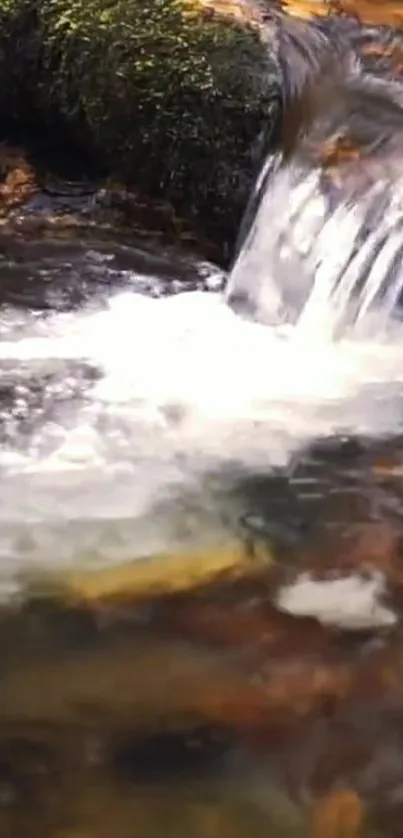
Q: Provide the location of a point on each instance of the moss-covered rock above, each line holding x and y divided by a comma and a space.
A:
172, 98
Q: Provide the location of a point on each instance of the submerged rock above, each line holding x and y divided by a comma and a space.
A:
161, 575
176, 672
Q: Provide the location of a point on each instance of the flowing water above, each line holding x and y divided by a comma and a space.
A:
119, 401
152, 405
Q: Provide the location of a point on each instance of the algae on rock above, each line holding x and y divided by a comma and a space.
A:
171, 97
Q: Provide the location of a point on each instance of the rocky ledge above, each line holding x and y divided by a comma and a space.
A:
168, 96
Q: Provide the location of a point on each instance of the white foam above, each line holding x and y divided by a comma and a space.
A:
186, 387
352, 602
185, 373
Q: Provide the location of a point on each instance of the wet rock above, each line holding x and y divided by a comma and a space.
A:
167, 107
387, 13
36, 200
201, 681
333, 521
17, 178
152, 94
159, 575
339, 814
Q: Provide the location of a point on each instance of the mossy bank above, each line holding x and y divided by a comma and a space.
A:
169, 96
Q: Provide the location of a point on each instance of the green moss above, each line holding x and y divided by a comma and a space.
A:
170, 99
173, 100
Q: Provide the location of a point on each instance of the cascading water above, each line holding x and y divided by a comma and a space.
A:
119, 403
324, 247
115, 415
327, 263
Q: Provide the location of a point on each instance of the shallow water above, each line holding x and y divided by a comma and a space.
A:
131, 405
139, 415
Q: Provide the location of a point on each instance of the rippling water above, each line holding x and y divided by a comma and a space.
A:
140, 413
132, 403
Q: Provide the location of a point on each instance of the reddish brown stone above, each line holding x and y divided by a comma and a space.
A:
18, 180
338, 815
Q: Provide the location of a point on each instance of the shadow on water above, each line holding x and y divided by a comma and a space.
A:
224, 704
212, 710
262, 700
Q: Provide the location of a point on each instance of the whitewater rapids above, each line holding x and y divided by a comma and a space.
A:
114, 416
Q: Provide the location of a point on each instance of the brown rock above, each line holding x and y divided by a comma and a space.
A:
338, 815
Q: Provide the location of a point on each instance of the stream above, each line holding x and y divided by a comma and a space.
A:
140, 415
133, 403
201, 509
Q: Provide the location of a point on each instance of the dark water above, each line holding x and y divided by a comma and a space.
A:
206, 710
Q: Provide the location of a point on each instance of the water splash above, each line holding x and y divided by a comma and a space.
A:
321, 239
323, 259
116, 411
114, 415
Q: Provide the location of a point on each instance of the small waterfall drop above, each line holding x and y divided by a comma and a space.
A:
322, 243
329, 263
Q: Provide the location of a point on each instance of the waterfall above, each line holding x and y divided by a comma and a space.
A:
132, 396
323, 248
324, 262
